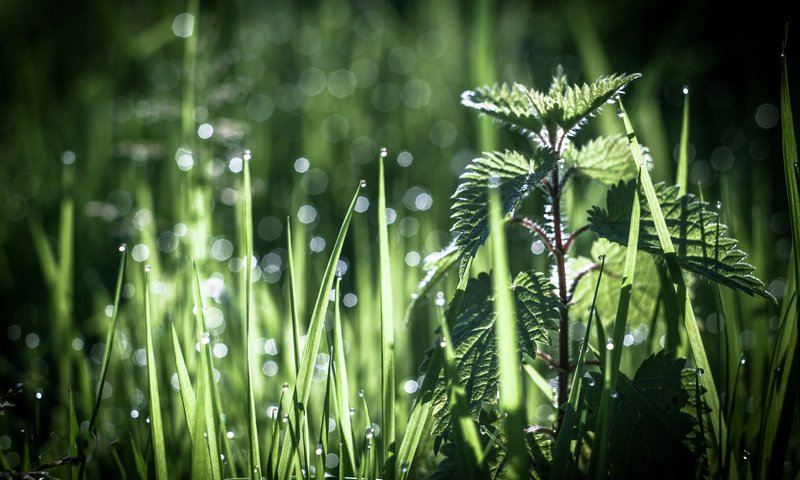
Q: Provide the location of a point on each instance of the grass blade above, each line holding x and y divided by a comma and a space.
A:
682, 176
138, 460
187, 392
293, 303
342, 389
302, 388
156, 425
511, 388
387, 332
417, 423
254, 454
109, 347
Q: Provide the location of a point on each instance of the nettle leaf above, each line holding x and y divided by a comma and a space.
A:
699, 239
517, 176
604, 159
474, 338
644, 298
654, 420
569, 107
506, 104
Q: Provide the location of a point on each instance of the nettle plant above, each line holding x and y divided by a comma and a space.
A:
659, 420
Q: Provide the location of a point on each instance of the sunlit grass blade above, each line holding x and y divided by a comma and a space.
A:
599, 462
511, 387
72, 432
187, 392
692, 329
418, 421
387, 332
572, 414
302, 388
156, 425
254, 453
682, 175
784, 378
293, 303
109, 347
342, 389
205, 443
469, 451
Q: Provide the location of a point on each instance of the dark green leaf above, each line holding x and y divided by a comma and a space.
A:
654, 421
518, 176
700, 241
474, 338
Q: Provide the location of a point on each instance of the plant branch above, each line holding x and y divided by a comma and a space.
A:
536, 228
563, 328
572, 237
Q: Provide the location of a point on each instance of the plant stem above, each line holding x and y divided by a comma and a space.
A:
563, 327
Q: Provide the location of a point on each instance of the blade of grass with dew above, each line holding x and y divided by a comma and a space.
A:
572, 415
387, 332
599, 461
469, 451
187, 392
682, 175
109, 347
785, 372
302, 388
156, 425
254, 453
692, 329
205, 433
418, 421
511, 388
342, 389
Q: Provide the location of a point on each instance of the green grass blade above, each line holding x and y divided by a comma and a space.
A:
302, 388
293, 303
511, 388
469, 450
254, 453
572, 414
109, 346
719, 429
682, 176
785, 371
187, 392
342, 389
156, 425
73, 433
138, 460
599, 462
421, 412
387, 332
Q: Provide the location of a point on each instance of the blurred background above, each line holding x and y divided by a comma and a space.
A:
93, 108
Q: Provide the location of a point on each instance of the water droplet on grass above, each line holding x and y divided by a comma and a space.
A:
361, 393
362, 184
318, 451
247, 155
352, 411
686, 89
384, 152
285, 387
147, 268
620, 113
123, 247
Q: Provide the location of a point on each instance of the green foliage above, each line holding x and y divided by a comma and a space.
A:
700, 239
604, 159
517, 175
654, 422
541, 115
474, 338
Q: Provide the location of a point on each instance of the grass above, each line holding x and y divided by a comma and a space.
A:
204, 343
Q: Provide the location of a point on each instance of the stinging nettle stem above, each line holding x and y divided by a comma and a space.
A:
563, 327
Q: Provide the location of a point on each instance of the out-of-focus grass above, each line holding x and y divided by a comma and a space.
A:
119, 129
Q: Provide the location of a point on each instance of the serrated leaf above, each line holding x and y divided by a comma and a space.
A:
582, 101
517, 176
474, 342
604, 159
700, 240
654, 422
506, 104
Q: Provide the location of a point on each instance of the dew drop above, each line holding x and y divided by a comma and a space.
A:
318, 451
352, 411
746, 455
719, 205
361, 393
404, 468
39, 395
247, 155
123, 247
610, 345
614, 395
362, 184
384, 152
700, 372
439, 299
744, 361
686, 89
442, 342
147, 268
285, 387
620, 113
205, 338
285, 418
